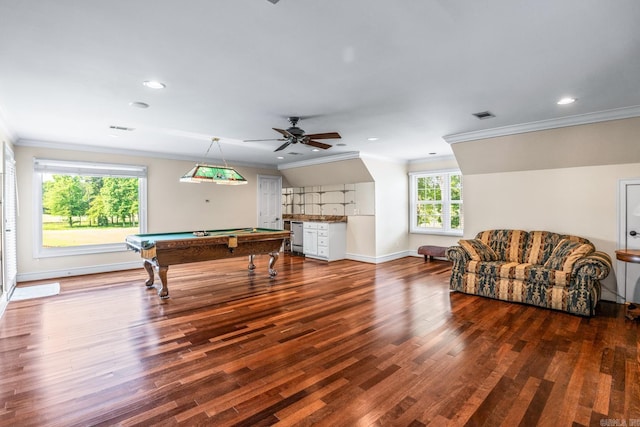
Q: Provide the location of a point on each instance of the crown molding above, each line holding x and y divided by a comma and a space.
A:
125, 152
600, 116
433, 159
320, 160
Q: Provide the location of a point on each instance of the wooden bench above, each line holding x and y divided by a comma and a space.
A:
431, 252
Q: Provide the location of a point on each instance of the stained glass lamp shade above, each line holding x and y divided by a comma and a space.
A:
202, 172
217, 174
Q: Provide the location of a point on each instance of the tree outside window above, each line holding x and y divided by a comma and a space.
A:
88, 207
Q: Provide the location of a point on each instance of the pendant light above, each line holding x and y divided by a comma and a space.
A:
203, 172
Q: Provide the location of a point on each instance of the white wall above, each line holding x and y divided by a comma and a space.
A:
361, 238
391, 208
172, 206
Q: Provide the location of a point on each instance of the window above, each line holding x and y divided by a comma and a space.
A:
436, 202
87, 207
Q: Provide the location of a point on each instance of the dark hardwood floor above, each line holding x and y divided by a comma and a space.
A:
339, 344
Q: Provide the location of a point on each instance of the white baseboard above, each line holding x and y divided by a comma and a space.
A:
53, 274
378, 259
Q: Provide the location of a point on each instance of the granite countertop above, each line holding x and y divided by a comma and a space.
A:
314, 218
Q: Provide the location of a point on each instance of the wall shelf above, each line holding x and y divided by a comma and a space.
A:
327, 199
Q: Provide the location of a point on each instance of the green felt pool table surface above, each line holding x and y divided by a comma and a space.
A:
150, 239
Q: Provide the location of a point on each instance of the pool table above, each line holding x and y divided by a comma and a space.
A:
164, 249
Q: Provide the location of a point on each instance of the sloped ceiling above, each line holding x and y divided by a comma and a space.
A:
348, 171
604, 143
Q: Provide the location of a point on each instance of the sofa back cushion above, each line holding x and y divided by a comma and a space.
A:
540, 244
478, 250
566, 253
507, 244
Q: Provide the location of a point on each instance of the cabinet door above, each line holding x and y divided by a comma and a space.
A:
310, 242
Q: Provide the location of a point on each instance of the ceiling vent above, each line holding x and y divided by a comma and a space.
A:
120, 128
484, 115
293, 153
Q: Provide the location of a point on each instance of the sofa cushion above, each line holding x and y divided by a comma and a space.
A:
507, 244
478, 250
566, 253
529, 273
548, 277
539, 246
502, 269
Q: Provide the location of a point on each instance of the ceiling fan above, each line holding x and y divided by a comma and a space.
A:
294, 135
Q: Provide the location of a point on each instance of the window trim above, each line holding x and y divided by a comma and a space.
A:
413, 198
70, 167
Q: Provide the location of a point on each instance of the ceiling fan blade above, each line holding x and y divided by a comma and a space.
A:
327, 135
284, 132
283, 146
317, 144
258, 140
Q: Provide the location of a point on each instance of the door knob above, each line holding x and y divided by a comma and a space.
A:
633, 233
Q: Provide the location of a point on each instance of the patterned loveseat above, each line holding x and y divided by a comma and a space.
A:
540, 268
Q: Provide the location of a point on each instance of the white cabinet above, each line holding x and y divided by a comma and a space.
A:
310, 239
325, 240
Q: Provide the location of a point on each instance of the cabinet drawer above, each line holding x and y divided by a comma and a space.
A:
323, 226
323, 241
310, 225
323, 251
323, 233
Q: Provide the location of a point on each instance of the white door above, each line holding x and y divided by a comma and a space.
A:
631, 271
9, 257
270, 201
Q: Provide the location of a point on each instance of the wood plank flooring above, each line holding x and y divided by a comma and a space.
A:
339, 344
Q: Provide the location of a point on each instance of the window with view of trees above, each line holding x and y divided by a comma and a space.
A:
88, 207
436, 202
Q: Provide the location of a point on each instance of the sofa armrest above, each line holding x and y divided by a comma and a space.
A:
457, 255
595, 266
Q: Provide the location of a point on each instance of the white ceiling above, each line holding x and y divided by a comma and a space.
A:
405, 71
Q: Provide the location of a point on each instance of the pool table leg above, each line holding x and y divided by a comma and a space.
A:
272, 262
162, 272
148, 266
252, 266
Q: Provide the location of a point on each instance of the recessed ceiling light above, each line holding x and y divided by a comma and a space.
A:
566, 100
279, 157
154, 84
373, 138
315, 149
139, 104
